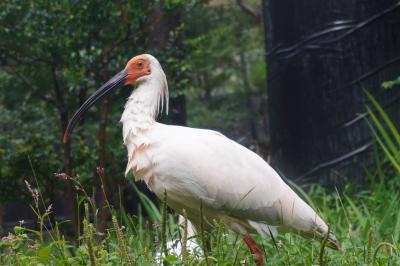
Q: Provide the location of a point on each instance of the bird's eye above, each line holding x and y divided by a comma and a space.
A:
139, 64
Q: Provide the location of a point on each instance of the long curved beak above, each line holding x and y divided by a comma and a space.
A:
115, 82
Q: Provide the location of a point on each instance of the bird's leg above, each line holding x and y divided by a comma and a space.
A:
255, 250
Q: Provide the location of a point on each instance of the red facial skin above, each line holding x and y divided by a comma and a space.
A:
137, 67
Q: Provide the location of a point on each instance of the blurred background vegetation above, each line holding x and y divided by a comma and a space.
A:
54, 54
306, 116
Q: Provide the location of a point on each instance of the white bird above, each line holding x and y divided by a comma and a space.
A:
235, 185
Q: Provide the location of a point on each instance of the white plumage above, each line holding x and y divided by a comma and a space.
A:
199, 167
235, 185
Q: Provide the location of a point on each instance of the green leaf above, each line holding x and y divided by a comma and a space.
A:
391, 83
44, 254
148, 205
171, 258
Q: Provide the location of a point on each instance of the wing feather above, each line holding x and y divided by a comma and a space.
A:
193, 164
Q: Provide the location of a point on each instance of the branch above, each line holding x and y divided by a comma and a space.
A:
60, 103
123, 19
8, 55
108, 50
131, 38
256, 14
11, 70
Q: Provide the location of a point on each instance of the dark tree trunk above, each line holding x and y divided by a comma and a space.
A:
104, 190
321, 55
104, 212
178, 110
160, 25
157, 27
71, 195
63, 112
247, 88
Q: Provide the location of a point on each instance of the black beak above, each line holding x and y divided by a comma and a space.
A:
115, 82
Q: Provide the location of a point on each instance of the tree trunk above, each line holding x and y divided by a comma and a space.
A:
63, 112
71, 195
247, 91
178, 110
321, 55
104, 191
160, 25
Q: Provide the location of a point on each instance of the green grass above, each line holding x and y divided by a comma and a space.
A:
365, 219
367, 224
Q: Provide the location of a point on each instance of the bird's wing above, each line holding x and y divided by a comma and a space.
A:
203, 164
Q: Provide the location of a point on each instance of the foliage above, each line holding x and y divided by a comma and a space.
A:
366, 222
217, 84
391, 83
15, 161
54, 54
226, 89
360, 221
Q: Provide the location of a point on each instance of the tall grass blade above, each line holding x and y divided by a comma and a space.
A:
396, 231
385, 117
322, 249
395, 163
164, 227
383, 132
184, 253
369, 246
357, 211
203, 236
148, 205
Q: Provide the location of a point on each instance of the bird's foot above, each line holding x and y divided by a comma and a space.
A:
255, 250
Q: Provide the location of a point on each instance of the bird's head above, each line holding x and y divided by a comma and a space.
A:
141, 69
137, 68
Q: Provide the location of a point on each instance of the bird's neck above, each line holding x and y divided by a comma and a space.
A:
141, 109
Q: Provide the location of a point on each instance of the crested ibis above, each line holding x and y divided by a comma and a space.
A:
233, 184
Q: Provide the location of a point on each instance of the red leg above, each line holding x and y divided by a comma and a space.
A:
255, 250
